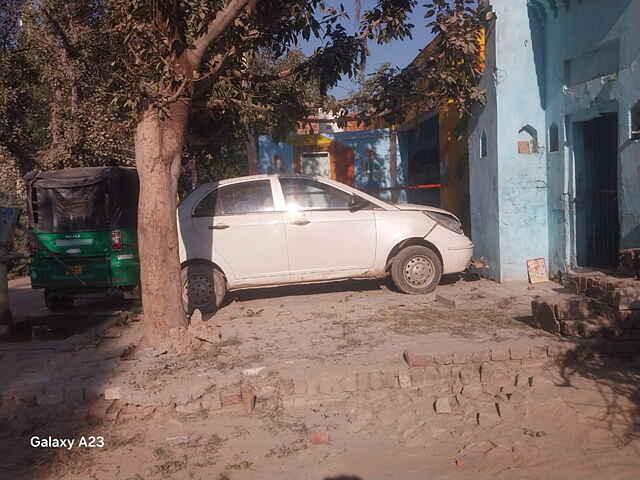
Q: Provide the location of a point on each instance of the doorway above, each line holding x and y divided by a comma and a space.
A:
597, 224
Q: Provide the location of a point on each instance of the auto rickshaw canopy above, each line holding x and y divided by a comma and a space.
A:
82, 199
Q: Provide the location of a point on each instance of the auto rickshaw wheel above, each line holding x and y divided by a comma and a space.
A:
203, 287
56, 302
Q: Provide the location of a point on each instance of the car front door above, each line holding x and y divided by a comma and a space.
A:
325, 238
244, 230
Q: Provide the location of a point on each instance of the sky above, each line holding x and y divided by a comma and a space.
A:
399, 53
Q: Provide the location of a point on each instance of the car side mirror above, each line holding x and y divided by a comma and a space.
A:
357, 203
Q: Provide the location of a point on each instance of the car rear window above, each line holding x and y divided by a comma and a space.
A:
237, 199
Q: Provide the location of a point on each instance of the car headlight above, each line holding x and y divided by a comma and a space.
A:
447, 221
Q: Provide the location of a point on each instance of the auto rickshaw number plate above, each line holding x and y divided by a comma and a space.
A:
74, 270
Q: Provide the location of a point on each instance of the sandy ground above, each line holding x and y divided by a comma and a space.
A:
578, 420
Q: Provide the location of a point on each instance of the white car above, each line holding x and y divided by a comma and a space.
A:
267, 230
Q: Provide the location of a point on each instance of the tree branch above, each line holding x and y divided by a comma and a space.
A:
66, 43
218, 25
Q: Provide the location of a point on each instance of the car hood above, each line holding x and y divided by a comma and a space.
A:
425, 208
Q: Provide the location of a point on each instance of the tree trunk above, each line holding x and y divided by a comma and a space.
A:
158, 144
252, 153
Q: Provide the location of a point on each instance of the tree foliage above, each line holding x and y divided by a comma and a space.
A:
449, 72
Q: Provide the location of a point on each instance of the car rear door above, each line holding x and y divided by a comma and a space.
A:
325, 239
239, 225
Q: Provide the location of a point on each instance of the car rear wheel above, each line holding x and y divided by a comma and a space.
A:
416, 270
203, 287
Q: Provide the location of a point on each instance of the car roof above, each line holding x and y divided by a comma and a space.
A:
196, 194
261, 176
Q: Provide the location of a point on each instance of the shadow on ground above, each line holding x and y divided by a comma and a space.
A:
42, 388
310, 289
616, 379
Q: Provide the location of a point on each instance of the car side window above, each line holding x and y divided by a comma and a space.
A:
237, 199
306, 194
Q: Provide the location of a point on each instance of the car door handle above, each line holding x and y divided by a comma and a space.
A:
219, 226
301, 221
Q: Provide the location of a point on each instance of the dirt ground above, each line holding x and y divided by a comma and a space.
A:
572, 419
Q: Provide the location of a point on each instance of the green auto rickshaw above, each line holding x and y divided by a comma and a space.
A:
83, 224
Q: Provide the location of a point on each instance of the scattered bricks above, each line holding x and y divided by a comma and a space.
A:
414, 360
487, 372
442, 405
211, 402
544, 315
287, 387
472, 391
390, 379
443, 359
375, 380
49, 398
300, 387
499, 354
189, 408
249, 400
313, 386
538, 352
469, 374
461, 358
362, 381
349, 383
570, 328
559, 350
228, 400
503, 410
518, 353
481, 356
319, 438
447, 301
417, 376
295, 401
404, 380
112, 393
626, 298
435, 374
325, 386
269, 391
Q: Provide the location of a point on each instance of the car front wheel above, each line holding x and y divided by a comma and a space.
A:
416, 270
203, 287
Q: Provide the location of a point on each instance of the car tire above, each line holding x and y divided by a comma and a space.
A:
203, 287
416, 270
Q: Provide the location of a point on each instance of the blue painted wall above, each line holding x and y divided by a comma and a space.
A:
372, 156
508, 195
268, 149
483, 171
547, 63
522, 199
590, 39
